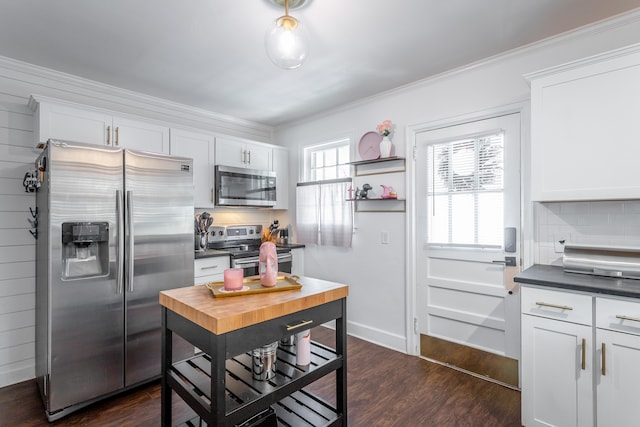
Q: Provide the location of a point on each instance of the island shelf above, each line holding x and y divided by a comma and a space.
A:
218, 383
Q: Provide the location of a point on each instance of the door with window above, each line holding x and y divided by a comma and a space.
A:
468, 227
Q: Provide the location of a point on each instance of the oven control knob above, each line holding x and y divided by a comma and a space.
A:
250, 231
220, 233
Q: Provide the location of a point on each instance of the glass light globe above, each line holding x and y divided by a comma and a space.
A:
287, 42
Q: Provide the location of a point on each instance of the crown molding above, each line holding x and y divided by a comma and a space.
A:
116, 98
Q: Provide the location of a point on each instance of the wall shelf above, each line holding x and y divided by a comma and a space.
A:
378, 205
379, 166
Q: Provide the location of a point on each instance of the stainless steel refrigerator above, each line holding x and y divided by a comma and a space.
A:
115, 227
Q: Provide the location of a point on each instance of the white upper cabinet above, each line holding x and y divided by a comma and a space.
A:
200, 147
140, 135
281, 168
243, 154
585, 129
84, 124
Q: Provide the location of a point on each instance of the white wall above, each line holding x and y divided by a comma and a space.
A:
375, 272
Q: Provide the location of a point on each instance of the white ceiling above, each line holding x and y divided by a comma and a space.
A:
210, 53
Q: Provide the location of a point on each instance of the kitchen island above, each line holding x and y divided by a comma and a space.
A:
217, 383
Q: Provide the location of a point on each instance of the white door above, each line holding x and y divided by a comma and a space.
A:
467, 186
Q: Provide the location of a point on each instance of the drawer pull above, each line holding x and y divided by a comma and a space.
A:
299, 325
209, 267
561, 307
622, 317
604, 359
584, 354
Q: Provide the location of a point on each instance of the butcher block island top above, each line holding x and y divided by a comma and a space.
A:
222, 315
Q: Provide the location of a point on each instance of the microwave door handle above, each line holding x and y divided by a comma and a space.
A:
130, 243
119, 243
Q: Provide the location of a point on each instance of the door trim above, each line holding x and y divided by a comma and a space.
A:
411, 321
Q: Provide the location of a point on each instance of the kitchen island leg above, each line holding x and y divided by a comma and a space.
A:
166, 357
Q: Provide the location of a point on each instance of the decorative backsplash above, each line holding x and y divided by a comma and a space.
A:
610, 223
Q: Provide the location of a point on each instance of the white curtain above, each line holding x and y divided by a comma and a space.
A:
323, 214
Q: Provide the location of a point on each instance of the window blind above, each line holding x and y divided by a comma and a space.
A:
466, 191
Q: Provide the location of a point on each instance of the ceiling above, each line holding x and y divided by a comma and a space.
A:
210, 53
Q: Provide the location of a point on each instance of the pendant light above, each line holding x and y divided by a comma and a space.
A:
286, 41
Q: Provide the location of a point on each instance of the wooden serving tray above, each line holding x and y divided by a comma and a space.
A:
252, 285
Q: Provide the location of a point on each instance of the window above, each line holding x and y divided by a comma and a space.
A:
323, 215
466, 192
327, 161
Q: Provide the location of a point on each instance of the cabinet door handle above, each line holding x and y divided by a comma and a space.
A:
583, 364
623, 317
299, 325
562, 307
118, 136
208, 267
249, 153
108, 135
604, 359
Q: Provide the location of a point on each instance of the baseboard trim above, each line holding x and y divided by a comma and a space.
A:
378, 336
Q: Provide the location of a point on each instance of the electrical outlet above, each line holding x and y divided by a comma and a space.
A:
384, 237
559, 240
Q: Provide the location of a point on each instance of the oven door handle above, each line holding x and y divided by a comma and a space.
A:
287, 257
247, 262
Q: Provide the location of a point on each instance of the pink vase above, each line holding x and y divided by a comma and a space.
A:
268, 264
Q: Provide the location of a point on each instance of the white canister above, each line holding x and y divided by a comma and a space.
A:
303, 348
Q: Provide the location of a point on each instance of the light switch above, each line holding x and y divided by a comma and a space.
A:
384, 237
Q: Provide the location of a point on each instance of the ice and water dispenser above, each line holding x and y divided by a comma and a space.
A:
85, 249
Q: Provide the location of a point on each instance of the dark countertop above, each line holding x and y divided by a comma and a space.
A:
555, 277
209, 253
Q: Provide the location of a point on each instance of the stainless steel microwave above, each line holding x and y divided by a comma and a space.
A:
244, 187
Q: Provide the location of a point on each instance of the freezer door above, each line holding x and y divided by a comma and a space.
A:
159, 246
85, 302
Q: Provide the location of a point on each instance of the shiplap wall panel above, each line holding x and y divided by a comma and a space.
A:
17, 246
17, 320
10, 254
9, 219
15, 170
17, 336
15, 237
17, 353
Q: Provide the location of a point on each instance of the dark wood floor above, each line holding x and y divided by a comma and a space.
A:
385, 388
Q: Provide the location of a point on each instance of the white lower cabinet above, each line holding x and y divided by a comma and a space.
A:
210, 269
574, 372
557, 388
618, 355
297, 261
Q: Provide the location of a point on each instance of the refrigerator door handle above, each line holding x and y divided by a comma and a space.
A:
129, 222
120, 243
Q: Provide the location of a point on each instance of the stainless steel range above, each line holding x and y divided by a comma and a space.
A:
243, 244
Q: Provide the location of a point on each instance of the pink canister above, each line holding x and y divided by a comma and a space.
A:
268, 264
